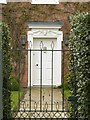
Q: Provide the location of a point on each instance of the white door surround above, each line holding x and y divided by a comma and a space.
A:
45, 32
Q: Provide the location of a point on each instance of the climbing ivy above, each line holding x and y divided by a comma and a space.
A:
79, 44
6, 46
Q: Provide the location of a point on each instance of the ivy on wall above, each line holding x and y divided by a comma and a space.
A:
79, 44
7, 68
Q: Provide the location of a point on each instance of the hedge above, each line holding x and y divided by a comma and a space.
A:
6, 46
79, 45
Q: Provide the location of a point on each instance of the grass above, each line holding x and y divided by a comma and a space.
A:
67, 93
14, 99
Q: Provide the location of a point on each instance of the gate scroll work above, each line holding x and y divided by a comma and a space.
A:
41, 101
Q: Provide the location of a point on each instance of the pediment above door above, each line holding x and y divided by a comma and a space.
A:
45, 29
44, 33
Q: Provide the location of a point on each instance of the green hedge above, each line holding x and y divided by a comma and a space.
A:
7, 68
79, 45
14, 86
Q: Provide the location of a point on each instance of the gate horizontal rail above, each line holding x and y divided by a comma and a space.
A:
40, 50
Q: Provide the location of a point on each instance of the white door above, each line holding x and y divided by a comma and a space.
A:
46, 61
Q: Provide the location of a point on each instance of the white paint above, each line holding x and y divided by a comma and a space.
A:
3, 2
46, 61
47, 36
45, 2
30, 38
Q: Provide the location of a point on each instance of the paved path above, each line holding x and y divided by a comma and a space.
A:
49, 110
46, 100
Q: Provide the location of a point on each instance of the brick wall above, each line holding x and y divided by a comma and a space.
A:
16, 15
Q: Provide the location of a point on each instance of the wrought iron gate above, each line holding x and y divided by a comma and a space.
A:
40, 101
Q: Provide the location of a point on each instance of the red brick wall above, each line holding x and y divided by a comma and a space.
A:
16, 15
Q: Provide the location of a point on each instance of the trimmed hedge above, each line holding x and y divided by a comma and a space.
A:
79, 44
7, 68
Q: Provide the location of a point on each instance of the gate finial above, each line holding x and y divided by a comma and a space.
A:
30, 44
52, 45
41, 45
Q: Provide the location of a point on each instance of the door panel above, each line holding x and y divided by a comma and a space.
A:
46, 61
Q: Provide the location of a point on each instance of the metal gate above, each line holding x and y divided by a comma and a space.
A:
43, 101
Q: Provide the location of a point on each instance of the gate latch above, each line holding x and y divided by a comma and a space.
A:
72, 98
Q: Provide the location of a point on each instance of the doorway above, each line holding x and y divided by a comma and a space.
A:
46, 60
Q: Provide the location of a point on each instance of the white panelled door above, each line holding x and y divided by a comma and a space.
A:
46, 61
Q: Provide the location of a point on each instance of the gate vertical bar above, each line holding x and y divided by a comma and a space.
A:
75, 87
19, 56
41, 45
52, 79
7, 97
62, 52
30, 80
41, 84
1, 72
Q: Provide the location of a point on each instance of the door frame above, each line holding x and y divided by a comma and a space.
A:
54, 33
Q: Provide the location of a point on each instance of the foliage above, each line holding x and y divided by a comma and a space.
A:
6, 46
66, 81
65, 86
15, 98
67, 92
79, 45
14, 83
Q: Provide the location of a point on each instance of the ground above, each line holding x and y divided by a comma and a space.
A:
46, 99
46, 103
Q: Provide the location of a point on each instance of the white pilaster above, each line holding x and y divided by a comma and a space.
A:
59, 57
30, 46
